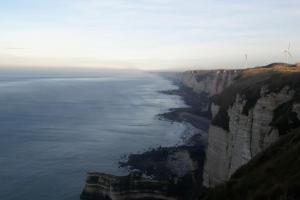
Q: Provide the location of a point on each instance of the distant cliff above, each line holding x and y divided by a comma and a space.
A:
207, 83
251, 113
210, 82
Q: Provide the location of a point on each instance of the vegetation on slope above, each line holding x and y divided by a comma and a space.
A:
273, 174
284, 118
249, 84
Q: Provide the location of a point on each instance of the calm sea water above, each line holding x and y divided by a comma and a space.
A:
54, 127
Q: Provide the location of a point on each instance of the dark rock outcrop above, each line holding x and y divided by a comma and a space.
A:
100, 186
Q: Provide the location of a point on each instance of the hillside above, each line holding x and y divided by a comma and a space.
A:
249, 83
253, 140
273, 174
255, 110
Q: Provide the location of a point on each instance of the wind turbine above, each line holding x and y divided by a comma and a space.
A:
287, 53
246, 60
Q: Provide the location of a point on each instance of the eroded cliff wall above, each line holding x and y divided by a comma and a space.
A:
251, 108
248, 116
100, 186
210, 82
272, 174
247, 135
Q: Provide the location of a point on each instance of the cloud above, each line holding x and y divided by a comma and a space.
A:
194, 31
14, 48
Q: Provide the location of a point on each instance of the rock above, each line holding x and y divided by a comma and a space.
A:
249, 132
216, 168
272, 174
296, 108
211, 81
250, 110
214, 109
100, 186
180, 163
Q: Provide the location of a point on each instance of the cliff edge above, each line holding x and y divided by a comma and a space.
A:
255, 117
259, 106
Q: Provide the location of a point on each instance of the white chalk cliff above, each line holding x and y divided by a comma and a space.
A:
247, 136
210, 81
245, 126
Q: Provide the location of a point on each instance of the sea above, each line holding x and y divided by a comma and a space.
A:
57, 125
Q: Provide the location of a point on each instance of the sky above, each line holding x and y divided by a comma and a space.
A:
148, 34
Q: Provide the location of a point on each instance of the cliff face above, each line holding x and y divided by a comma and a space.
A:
250, 110
248, 116
247, 135
165, 173
272, 174
100, 186
210, 82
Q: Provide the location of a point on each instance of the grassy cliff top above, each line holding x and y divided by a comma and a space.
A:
250, 81
248, 84
273, 174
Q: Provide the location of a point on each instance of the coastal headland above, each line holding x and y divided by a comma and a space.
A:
243, 122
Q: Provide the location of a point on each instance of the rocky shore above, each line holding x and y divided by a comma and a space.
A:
176, 171
194, 113
102, 186
237, 116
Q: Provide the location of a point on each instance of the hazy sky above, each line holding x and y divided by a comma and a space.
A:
148, 34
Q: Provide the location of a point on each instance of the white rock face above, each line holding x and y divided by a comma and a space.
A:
296, 108
217, 157
247, 136
210, 82
180, 163
214, 109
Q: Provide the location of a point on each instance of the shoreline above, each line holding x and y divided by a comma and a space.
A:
153, 162
181, 164
194, 114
